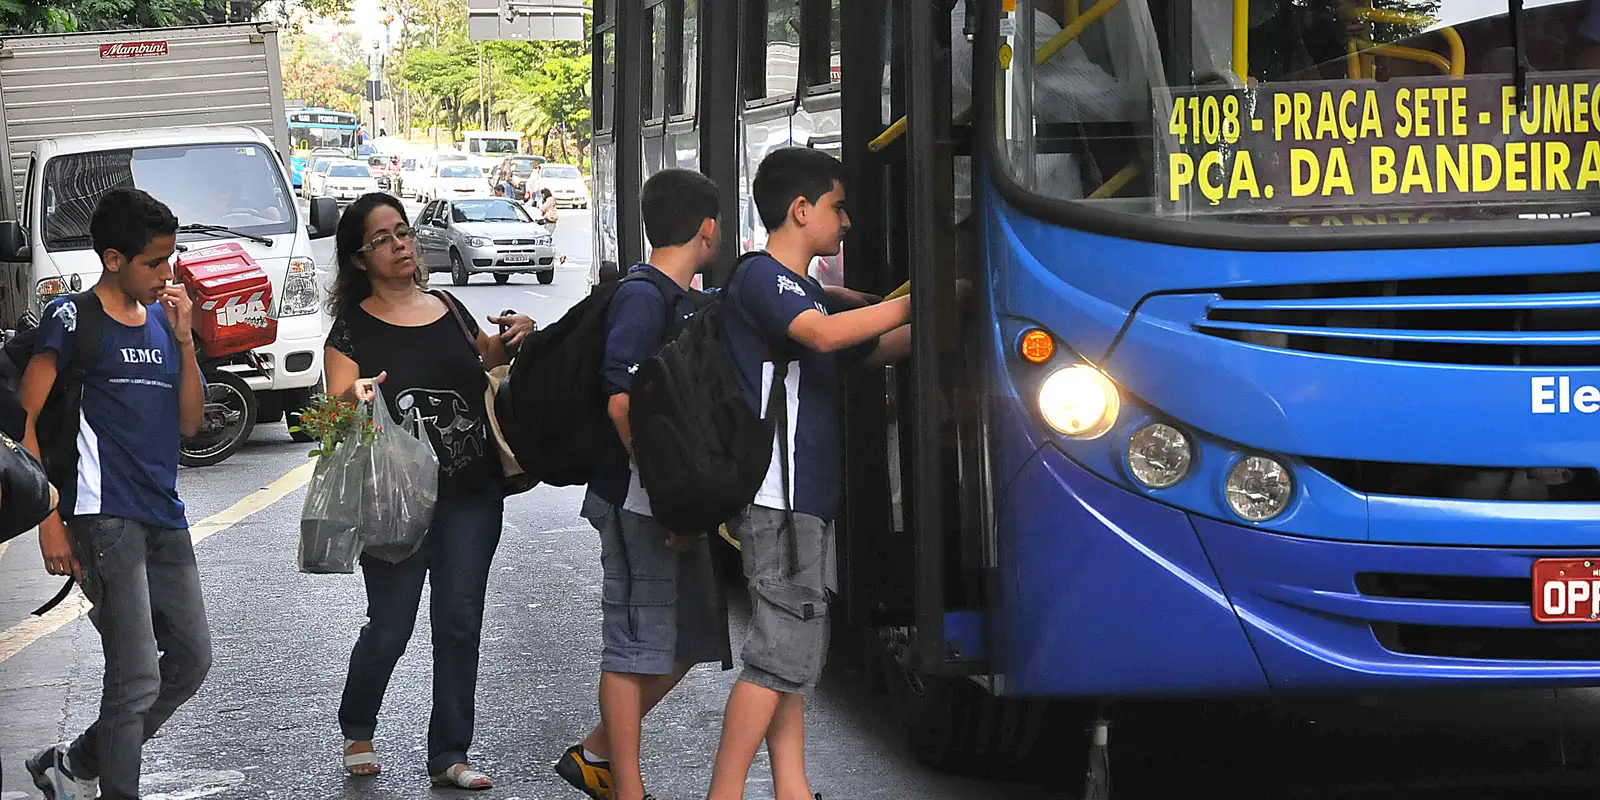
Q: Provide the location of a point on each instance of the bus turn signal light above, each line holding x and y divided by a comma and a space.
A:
1037, 346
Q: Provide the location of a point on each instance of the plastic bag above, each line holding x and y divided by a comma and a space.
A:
401, 488
330, 522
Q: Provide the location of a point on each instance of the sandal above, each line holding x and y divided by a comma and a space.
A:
462, 776
360, 765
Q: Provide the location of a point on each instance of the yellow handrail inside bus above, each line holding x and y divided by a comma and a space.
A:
1073, 30
905, 289
1115, 183
1457, 65
1352, 60
1413, 54
1072, 10
1241, 40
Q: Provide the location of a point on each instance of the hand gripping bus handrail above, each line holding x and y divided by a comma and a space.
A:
1455, 67
1073, 30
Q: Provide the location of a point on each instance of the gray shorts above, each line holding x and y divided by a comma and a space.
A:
658, 608
790, 585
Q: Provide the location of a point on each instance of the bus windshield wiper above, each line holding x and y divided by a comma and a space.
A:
1519, 66
222, 230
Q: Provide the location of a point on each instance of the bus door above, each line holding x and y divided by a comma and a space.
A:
916, 541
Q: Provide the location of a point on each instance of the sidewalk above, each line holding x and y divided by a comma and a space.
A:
37, 684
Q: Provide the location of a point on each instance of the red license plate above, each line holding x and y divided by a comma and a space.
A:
1566, 590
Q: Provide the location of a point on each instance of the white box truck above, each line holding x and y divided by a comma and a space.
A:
194, 116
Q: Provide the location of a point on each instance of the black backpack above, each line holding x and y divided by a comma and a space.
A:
702, 451
551, 407
57, 426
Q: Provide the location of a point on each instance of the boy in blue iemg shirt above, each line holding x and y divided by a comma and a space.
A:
122, 531
779, 311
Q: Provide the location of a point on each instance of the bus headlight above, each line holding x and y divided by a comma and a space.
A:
1258, 488
1079, 401
1158, 455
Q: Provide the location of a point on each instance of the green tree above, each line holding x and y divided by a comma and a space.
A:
445, 81
316, 75
66, 16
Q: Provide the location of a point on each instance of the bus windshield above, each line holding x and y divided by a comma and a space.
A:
1322, 113
308, 138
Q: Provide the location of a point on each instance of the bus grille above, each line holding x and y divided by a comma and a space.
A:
1522, 320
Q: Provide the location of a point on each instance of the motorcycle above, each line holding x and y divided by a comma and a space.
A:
230, 407
229, 419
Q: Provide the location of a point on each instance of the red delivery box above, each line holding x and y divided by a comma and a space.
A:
231, 297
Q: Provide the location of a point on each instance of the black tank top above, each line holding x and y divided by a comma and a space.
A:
434, 371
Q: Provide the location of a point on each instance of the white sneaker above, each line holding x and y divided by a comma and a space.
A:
53, 776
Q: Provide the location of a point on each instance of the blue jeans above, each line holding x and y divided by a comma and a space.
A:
455, 558
145, 589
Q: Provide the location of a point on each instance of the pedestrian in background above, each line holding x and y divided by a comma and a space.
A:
549, 210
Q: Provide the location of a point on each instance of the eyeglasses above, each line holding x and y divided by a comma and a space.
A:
400, 234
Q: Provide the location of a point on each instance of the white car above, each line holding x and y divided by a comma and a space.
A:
457, 180
565, 183
316, 175
410, 175
347, 180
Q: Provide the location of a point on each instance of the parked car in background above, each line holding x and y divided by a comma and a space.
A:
565, 183
484, 235
385, 168
314, 180
410, 176
347, 180
455, 180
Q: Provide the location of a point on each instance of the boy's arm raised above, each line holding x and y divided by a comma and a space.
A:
892, 346
827, 333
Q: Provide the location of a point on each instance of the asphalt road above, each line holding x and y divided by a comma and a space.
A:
264, 725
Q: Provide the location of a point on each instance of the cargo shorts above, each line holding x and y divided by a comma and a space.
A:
790, 575
658, 608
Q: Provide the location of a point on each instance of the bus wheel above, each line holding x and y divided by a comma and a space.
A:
952, 723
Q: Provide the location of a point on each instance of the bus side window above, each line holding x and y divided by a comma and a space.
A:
656, 77
683, 95
605, 84
773, 48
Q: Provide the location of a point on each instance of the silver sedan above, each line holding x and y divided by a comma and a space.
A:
490, 235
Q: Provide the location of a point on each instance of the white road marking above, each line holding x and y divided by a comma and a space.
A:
14, 639
190, 784
535, 294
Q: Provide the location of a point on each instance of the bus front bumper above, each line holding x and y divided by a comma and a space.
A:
1104, 593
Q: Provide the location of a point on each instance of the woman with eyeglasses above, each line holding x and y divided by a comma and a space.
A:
389, 330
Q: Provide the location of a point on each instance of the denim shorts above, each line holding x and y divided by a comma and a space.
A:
789, 574
658, 608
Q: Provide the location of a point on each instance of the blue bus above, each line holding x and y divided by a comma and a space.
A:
1279, 368
312, 129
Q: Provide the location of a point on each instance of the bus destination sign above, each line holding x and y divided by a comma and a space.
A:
1416, 143
319, 119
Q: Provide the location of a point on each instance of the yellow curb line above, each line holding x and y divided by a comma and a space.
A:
31, 630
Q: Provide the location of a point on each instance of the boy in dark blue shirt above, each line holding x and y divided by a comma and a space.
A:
780, 311
122, 530
660, 611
